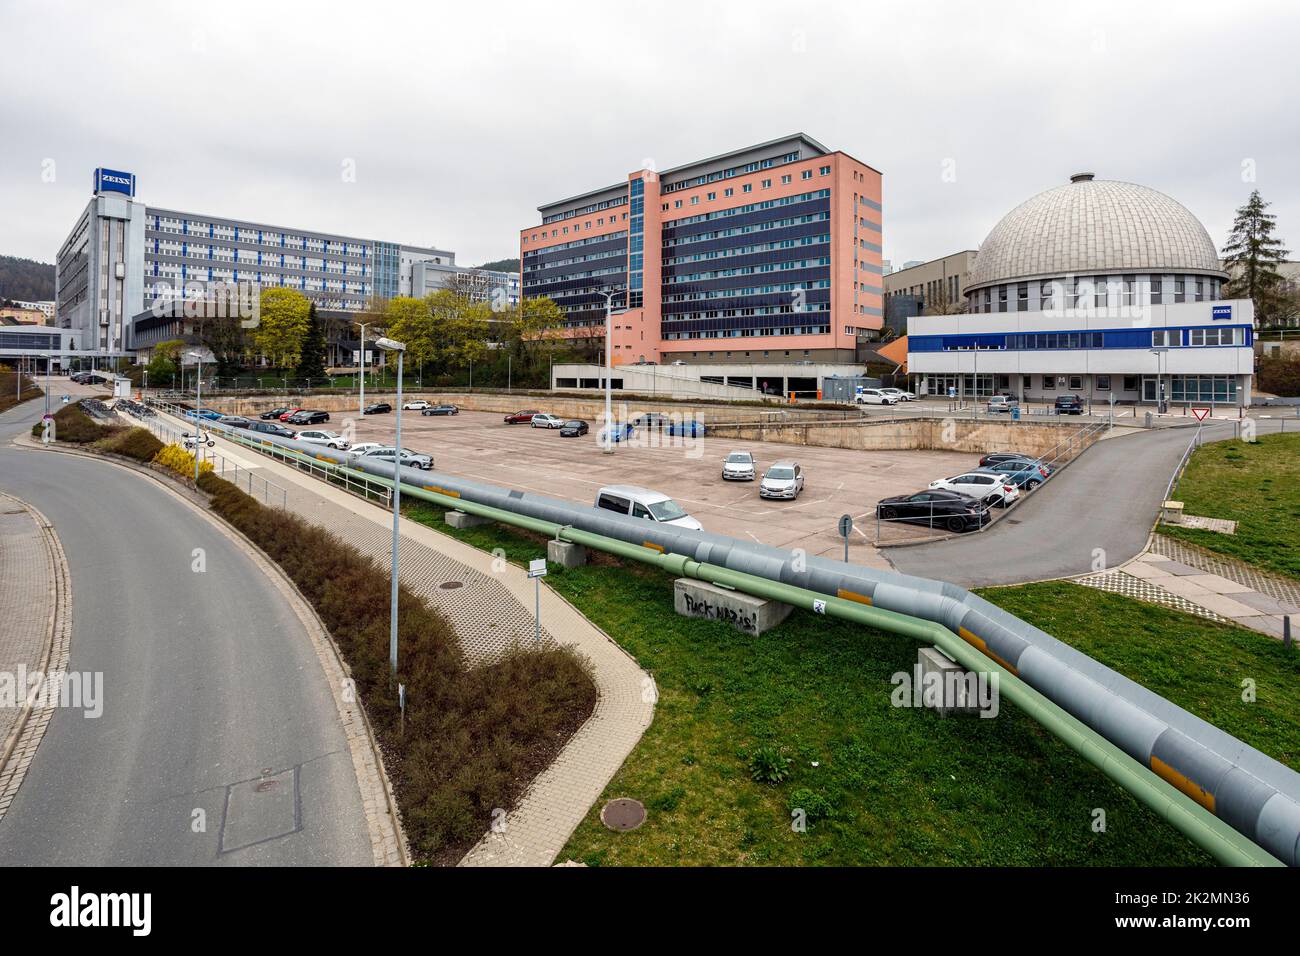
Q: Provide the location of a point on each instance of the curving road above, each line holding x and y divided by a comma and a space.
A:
1108, 499
209, 682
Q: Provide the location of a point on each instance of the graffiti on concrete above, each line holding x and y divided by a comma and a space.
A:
747, 621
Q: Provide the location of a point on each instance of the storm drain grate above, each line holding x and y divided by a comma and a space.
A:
623, 814
451, 585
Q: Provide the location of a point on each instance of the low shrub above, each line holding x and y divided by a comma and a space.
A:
474, 738
180, 461
72, 424
137, 443
768, 764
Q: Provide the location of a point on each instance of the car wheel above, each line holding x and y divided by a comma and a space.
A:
889, 513
1032, 483
956, 524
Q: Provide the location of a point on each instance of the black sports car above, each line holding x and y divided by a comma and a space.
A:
935, 507
573, 429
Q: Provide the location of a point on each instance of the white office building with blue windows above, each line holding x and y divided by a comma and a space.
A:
1095, 288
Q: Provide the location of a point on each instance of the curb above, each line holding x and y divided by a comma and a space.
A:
53, 657
327, 652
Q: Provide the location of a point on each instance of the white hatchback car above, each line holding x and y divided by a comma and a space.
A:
326, 438
644, 503
366, 446
900, 395
543, 420
874, 396
739, 466
418, 405
991, 488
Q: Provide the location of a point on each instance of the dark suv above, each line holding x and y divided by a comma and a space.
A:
306, 417
271, 428
1069, 405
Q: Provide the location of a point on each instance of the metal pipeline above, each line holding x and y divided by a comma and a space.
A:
1184, 768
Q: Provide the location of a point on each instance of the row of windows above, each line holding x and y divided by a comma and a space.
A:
1199, 337
594, 207
750, 207
751, 290
746, 188
757, 247
751, 333
574, 243
749, 270
1083, 292
730, 173
256, 236
747, 230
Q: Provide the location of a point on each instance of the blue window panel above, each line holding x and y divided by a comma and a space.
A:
185, 252
236, 234
185, 227
212, 230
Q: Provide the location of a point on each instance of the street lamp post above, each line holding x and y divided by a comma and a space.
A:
1159, 353
389, 345
198, 411
361, 408
47, 383
609, 363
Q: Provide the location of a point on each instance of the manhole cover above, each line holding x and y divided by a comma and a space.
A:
623, 814
451, 585
264, 786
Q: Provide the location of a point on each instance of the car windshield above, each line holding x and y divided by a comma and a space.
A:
667, 510
573, 424
780, 473
739, 458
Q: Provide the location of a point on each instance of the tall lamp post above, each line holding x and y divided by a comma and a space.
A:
361, 408
47, 383
198, 417
1159, 353
390, 345
609, 363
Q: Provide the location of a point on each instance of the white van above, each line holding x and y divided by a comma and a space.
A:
873, 396
644, 503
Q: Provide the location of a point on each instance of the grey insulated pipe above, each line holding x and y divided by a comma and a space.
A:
1253, 793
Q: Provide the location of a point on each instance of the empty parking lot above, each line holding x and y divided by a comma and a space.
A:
837, 481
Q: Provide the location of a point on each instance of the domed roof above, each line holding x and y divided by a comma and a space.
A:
1094, 226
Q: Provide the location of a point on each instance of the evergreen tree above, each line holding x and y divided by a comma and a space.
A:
311, 358
1251, 257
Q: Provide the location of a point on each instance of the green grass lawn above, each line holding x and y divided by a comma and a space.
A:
886, 785
1258, 486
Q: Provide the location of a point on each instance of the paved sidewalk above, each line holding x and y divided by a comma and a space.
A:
490, 602
1196, 581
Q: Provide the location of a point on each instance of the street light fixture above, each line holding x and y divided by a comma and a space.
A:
390, 345
1159, 352
47, 382
361, 408
198, 410
610, 312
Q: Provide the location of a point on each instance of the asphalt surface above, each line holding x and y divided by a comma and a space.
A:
211, 691
1097, 513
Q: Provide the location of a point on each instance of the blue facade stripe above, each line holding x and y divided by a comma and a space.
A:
1111, 339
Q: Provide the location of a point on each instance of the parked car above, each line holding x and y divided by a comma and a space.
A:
521, 418
644, 503
378, 408
413, 459
986, 486
418, 405
543, 420
687, 428
1002, 403
360, 448
326, 438
997, 457
234, 421
289, 413
873, 396
739, 466
305, 417
1023, 474
618, 432
205, 413
783, 479
651, 420
274, 414
934, 507
899, 394
271, 428
574, 429
1069, 405
440, 410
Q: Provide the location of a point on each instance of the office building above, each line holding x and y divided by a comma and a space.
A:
767, 253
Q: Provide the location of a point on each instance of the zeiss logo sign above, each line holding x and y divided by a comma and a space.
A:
1220, 312
112, 181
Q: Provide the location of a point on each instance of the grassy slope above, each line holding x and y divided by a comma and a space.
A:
904, 786
1258, 486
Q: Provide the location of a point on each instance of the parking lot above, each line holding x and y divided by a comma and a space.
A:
837, 481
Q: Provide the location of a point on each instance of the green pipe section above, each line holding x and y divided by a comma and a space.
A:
1203, 828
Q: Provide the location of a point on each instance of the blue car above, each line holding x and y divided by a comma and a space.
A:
207, 413
690, 428
619, 432
1023, 474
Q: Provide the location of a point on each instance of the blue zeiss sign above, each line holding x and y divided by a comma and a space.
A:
112, 181
1220, 312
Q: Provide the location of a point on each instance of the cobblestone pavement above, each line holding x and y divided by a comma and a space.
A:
492, 610
34, 638
1196, 581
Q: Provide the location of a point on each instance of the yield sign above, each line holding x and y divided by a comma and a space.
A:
1200, 413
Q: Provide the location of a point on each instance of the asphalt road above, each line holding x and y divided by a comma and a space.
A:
1108, 499
211, 691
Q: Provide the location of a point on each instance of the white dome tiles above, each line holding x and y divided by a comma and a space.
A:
1094, 226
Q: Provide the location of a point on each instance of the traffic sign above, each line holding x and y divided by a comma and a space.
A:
846, 525
1200, 413
537, 568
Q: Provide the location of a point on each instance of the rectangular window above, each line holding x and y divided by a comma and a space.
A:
807, 174
1157, 289
1103, 383
1022, 297
1002, 298
825, 170
1076, 382
1164, 338
1049, 382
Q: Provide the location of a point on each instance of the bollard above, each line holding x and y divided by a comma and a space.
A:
1286, 630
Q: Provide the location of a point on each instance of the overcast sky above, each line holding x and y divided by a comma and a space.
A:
460, 119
